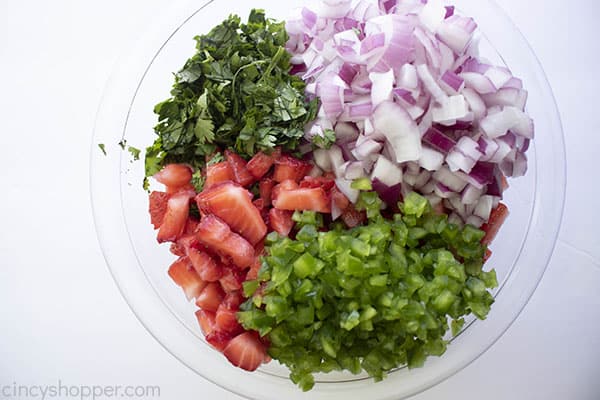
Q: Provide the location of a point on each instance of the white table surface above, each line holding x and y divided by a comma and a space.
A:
61, 315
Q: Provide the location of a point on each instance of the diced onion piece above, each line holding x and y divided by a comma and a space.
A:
386, 172
400, 130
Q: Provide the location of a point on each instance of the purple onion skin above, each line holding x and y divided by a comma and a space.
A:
390, 195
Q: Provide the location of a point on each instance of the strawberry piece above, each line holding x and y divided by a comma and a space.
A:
211, 297
491, 228
157, 206
218, 237
320, 181
246, 351
184, 275
174, 176
226, 320
260, 164
339, 199
281, 221
206, 320
182, 246
233, 300
232, 278
254, 269
352, 217
285, 185
265, 187
217, 173
175, 217
233, 204
238, 166
218, 339
314, 199
287, 167
206, 266
487, 255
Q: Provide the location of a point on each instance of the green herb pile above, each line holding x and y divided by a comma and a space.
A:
371, 298
237, 92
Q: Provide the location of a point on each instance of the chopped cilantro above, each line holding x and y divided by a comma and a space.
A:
102, 147
234, 92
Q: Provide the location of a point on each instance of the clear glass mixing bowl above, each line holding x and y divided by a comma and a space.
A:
143, 78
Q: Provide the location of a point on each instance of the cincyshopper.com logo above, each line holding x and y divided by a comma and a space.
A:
82, 392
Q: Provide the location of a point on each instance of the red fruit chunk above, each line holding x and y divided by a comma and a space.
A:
217, 173
285, 185
497, 218
206, 320
226, 320
232, 278
182, 246
287, 167
319, 181
174, 176
260, 164
233, 300
233, 204
281, 221
211, 297
352, 217
487, 255
314, 199
216, 235
339, 198
206, 266
238, 166
218, 339
254, 269
184, 275
246, 351
157, 207
265, 187
175, 217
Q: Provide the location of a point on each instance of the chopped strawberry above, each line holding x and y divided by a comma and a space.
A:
281, 221
207, 268
233, 300
211, 297
287, 167
260, 164
352, 217
285, 185
218, 237
314, 199
238, 166
219, 339
497, 218
206, 320
157, 207
320, 181
226, 320
182, 246
487, 255
233, 204
175, 217
174, 176
232, 278
246, 351
254, 269
339, 198
265, 187
217, 173
184, 275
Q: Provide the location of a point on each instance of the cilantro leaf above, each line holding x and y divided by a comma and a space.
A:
237, 92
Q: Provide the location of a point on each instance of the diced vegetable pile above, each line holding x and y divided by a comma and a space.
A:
332, 183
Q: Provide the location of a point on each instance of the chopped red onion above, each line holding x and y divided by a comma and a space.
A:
438, 140
452, 81
393, 75
344, 185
